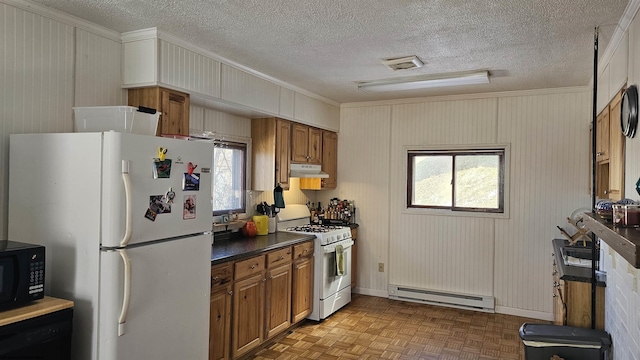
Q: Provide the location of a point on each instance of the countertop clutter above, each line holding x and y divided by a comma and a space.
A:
624, 240
233, 249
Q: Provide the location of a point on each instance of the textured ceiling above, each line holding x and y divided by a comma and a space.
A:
328, 46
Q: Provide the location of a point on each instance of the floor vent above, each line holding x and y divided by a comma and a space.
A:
424, 296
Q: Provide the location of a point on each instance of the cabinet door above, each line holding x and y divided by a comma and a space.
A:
278, 300
616, 151
302, 299
175, 113
299, 143
219, 323
248, 314
330, 159
602, 135
283, 152
314, 151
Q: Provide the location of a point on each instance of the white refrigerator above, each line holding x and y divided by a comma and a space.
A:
126, 223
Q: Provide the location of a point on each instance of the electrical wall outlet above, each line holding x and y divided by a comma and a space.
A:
381, 267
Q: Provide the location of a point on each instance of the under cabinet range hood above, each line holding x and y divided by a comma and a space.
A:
307, 171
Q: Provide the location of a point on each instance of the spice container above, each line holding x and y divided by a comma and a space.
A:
626, 215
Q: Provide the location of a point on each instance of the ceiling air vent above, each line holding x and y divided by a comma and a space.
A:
403, 63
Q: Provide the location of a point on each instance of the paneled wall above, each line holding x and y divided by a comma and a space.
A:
47, 67
548, 132
98, 69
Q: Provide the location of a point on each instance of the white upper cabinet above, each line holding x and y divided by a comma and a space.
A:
155, 58
603, 89
243, 88
618, 67
315, 112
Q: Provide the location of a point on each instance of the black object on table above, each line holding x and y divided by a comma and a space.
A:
45, 337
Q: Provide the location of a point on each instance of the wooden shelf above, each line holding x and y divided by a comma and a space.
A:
625, 241
33, 309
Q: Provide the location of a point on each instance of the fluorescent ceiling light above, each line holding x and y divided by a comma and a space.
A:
425, 82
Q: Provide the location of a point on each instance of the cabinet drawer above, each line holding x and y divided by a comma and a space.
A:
221, 274
303, 250
278, 257
249, 267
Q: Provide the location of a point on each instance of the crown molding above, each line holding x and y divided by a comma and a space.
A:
64, 18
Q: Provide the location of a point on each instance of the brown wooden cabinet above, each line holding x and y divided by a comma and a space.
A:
248, 314
329, 165
330, 159
271, 152
254, 299
302, 286
278, 306
220, 311
572, 303
306, 144
173, 106
610, 144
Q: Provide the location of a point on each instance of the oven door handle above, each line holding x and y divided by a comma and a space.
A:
331, 248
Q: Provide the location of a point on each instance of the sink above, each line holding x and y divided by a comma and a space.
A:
576, 256
580, 253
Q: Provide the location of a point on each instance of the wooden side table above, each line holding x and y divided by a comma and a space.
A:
39, 330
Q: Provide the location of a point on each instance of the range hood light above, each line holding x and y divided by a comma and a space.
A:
307, 171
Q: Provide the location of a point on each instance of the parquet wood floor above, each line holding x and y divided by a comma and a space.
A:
378, 328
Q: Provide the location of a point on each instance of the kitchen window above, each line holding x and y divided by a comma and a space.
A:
229, 177
469, 179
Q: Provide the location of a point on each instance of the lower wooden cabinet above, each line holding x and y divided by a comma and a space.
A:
302, 304
572, 303
254, 299
220, 311
278, 306
248, 314
219, 324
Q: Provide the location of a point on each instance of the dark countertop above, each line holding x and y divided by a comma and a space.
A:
574, 273
625, 241
234, 249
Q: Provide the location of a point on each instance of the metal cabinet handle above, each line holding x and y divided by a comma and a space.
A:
599, 153
281, 257
230, 292
554, 295
554, 272
264, 279
215, 278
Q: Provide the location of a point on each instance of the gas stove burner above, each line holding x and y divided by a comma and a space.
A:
314, 228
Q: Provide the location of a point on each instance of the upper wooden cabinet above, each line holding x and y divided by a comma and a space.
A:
172, 105
270, 150
330, 159
610, 144
602, 135
306, 144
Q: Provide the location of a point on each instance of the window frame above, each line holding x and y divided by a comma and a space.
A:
212, 137
217, 143
452, 150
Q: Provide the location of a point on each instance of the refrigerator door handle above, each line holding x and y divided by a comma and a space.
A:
126, 180
126, 297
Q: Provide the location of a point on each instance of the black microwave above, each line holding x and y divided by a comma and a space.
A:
21, 273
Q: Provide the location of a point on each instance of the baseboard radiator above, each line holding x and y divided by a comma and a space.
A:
462, 301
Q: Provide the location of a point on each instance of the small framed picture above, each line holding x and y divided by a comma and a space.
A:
189, 207
191, 182
161, 168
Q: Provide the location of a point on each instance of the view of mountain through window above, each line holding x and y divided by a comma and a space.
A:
468, 181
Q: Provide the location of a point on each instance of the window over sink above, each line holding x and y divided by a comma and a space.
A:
458, 179
229, 177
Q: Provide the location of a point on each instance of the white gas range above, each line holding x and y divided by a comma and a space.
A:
332, 270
